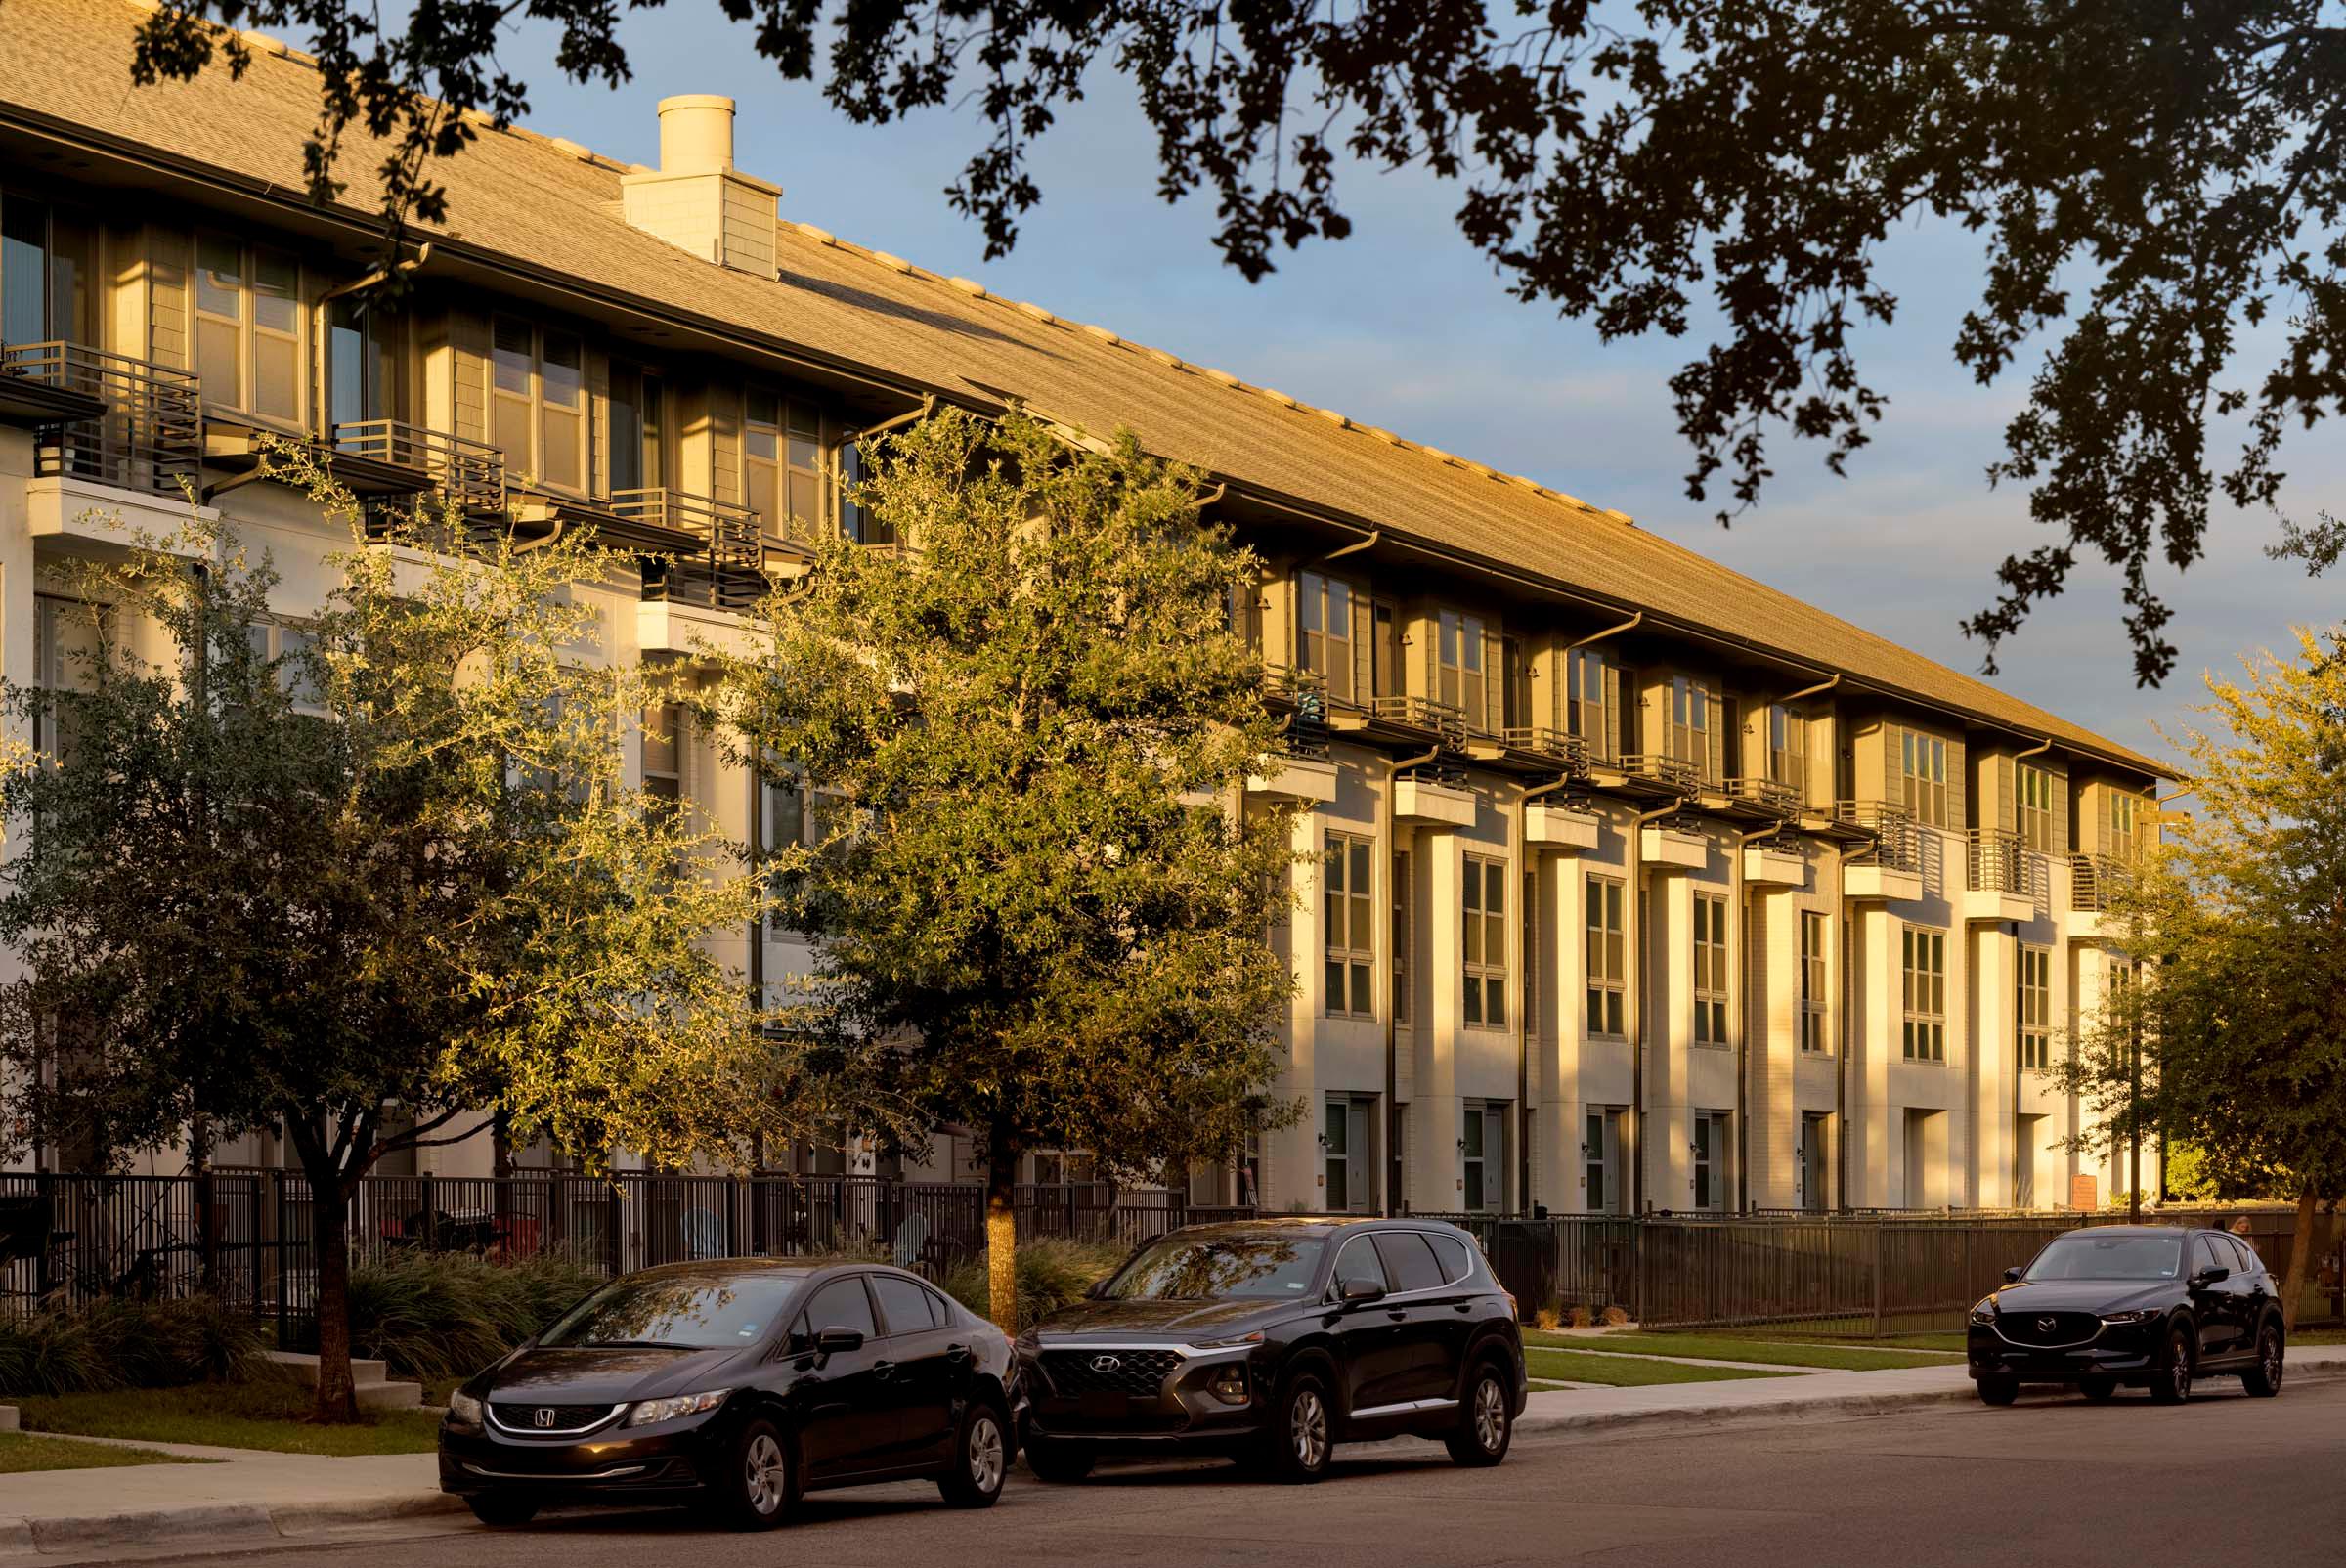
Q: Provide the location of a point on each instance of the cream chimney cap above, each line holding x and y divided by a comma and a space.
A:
696, 134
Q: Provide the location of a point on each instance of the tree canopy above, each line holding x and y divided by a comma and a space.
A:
2151, 184
1015, 741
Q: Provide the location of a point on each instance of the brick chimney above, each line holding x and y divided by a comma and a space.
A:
696, 200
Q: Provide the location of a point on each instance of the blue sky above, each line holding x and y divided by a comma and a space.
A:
1402, 325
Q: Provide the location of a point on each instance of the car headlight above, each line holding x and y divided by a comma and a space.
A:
464, 1408
1229, 1384
2137, 1315
1254, 1338
648, 1411
1983, 1311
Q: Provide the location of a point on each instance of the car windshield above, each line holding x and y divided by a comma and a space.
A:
2109, 1257
1219, 1268
678, 1313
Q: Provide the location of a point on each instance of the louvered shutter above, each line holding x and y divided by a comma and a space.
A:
1715, 764
1958, 793
1364, 649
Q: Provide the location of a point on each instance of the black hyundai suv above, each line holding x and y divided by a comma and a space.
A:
1272, 1341
2144, 1305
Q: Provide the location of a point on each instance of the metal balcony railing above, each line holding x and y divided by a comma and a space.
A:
723, 572
1539, 739
2091, 880
1439, 719
471, 474
1766, 794
1897, 838
149, 435
1996, 862
1658, 767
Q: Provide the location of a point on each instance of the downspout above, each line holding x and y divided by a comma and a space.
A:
928, 406
1818, 691
1630, 625
1523, 1013
319, 336
1366, 541
2012, 1176
1638, 943
1388, 835
1841, 1055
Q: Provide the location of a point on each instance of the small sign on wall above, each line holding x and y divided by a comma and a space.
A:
2084, 1192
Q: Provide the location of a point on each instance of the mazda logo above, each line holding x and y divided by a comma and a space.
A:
1107, 1364
542, 1418
2045, 1325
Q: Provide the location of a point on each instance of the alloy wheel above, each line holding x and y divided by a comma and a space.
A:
765, 1473
1490, 1414
2268, 1356
986, 1454
2179, 1370
1307, 1428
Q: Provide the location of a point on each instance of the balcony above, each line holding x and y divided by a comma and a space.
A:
1999, 884
2091, 877
1760, 798
1890, 867
1569, 752
106, 418
386, 457
708, 553
1438, 721
1658, 773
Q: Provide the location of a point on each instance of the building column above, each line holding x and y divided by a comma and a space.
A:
1772, 1032
1875, 1141
1667, 941
1994, 1058
1436, 1107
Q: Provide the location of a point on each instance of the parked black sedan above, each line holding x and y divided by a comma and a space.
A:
738, 1385
2144, 1305
1273, 1340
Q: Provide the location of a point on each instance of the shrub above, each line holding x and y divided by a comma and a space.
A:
434, 1316
1051, 1272
126, 1344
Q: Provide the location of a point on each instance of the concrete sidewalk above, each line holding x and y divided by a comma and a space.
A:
268, 1499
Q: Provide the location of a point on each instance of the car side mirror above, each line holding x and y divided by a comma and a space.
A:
2012, 1276
2214, 1275
831, 1341
1359, 1288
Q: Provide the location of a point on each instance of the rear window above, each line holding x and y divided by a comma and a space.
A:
907, 1307
1458, 1259
1409, 1261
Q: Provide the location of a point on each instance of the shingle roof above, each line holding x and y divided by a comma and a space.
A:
548, 205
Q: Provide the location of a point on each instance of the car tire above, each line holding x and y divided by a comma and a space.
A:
1994, 1390
1054, 1459
1302, 1432
500, 1509
758, 1481
2100, 1390
981, 1458
2171, 1378
1486, 1419
2262, 1380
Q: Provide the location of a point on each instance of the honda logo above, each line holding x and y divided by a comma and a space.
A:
2045, 1325
542, 1418
1107, 1364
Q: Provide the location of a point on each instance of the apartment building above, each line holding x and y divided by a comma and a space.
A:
1628, 884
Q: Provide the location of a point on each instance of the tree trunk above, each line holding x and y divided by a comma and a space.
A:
329, 1249
1002, 1239
2301, 1262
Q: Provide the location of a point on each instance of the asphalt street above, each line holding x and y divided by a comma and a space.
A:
2050, 1481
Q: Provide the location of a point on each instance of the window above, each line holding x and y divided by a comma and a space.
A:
1812, 981
1401, 936
1608, 958
49, 288
1923, 768
1323, 632
248, 327
1347, 1172
1455, 1260
363, 358
781, 450
1809, 1163
292, 648
1459, 665
1483, 1160
638, 430
1709, 970
1690, 723
68, 638
1484, 937
1710, 1159
1588, 685
1599, 1150
2023, 1162
842, 1304
1788, 748
1531, 949
2032, 788
1384, 651
1358, 1260
1924, 964
2035, 1008
860, 525
905, 1306
537, 412
663, 754
1409, 1259
1350, 932
2124, 819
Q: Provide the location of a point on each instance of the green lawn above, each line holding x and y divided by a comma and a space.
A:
2319, 1337
31, 1450
1767, 1352
1630, 1372
262, 1414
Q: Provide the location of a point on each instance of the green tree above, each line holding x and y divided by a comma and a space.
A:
1027, 731
365, 883
2233, 1039
2151, 180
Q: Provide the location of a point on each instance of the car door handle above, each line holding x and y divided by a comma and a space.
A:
1396, 1314
883, 1370
957, 1353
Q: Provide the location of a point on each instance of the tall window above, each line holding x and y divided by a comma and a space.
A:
49, 285
1709, 970
1598, 1149
2124, 818
663, 754
362, 360
638, 430
539, 408
1587, 701
1483, 1158
1690, 723
1484, 899
1812, 981
1351, 934
1384, 651
1923, 768
1809, 1163
1323, 632
1788, 748
1347, 1170
1924, 956
68, 638
2032, 788
248, 327
1401, 936
1459, 664
1710, 1157
782, 469
1608, 958
2035, 1008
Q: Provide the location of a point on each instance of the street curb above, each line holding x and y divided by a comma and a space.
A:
213, 1521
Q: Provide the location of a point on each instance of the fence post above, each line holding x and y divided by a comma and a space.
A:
252, 1231
207, 1234
1877, 1230
277, 1179
431, 1215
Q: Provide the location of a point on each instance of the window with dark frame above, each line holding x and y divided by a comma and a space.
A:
2035, 1008
1813, 937
1608, 958
1348, 936
1484, 899
1709, 970
1923, 971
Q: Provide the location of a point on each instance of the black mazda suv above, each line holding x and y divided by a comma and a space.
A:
2149, 1306
1273, 1340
